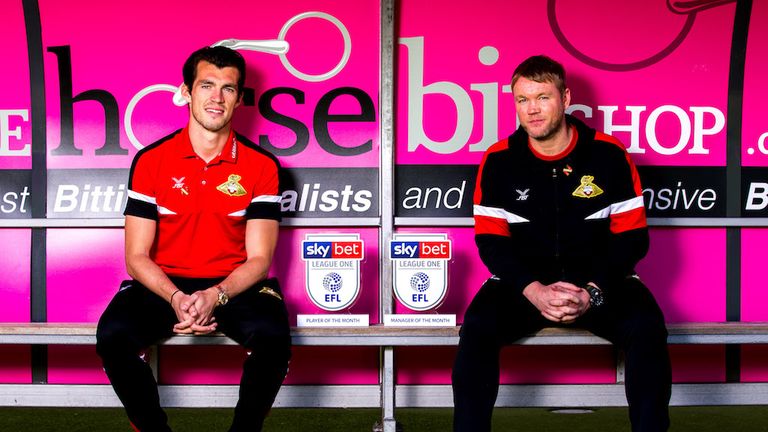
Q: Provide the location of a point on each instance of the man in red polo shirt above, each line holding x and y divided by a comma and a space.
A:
201, 226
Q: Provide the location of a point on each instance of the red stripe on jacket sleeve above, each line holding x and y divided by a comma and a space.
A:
491, 225
499, 146
638, 188
635, 177
628, 220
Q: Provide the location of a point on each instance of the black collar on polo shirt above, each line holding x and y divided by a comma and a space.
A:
228, 154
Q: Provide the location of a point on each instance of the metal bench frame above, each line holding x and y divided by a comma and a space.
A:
387, 394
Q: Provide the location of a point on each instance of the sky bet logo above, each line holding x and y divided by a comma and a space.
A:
421, 249
333, 269
332, 250
420, 269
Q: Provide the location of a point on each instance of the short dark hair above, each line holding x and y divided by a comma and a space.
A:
541, 68
218, 56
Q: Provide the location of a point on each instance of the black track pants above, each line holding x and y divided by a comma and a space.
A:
137, 318
499, 315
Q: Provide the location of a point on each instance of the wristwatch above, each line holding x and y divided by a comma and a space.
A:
595, 295
223, 297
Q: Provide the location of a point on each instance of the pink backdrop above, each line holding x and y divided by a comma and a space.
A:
154, 55
667, 101
755, 153
100, 263
15, 105
491, 42
753, 298
754, 132
15, 306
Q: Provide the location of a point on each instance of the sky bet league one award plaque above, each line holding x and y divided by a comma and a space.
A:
420, 278
332, 279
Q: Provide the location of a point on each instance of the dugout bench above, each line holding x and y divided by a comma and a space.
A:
387, 395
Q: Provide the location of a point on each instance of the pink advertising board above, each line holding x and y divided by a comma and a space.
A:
663, 93
519, 365
753, 290
754, 133
682, 268
447, 116
15, 301
311, 96
109, 92
331, 46
15, 268
96, 270
466, 273
15, 106
450, 114
755, 186
309, 365
681, 265
753, 299
109, 89
685, 270
83, 264
95, 274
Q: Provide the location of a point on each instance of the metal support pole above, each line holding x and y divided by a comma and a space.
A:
386, 189
388, 391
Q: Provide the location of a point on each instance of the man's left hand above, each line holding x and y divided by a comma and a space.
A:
574, 309
206, 302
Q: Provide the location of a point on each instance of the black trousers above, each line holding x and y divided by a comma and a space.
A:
498, 315
137, 318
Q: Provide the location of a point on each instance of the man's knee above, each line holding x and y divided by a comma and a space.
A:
645, 320
482, 312
269, 353
647, 329
269, 337
478, 327
112, 338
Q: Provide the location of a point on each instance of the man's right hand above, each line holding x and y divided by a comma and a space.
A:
560, 302
186, 313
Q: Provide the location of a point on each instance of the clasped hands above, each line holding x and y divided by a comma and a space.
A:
560, 302
195, 311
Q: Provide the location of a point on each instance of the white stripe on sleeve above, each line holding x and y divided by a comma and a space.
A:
141, 197
267, 198
619, 207
498, 214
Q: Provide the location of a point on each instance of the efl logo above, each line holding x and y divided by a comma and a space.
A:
332, 250
421, 249
333, 269
420, 267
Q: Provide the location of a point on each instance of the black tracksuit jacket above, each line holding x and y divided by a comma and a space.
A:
577, 217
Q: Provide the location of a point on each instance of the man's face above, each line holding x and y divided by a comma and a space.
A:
540, 107
213, 96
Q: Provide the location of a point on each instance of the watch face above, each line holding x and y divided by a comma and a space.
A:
223, 298
595, 296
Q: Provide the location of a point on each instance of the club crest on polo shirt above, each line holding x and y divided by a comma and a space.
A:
587, 189
231, 187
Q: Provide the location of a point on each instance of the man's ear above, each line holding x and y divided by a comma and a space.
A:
185, 93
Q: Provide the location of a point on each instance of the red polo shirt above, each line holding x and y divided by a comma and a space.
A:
201, 208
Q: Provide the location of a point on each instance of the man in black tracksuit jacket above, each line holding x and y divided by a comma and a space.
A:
560, 222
